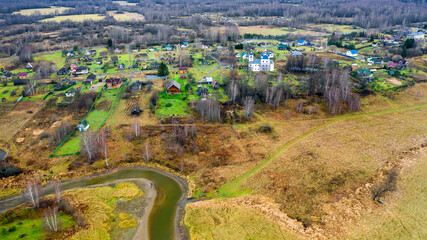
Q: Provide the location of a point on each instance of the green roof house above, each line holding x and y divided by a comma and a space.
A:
282, 47
365, 73
83, 125
70, 92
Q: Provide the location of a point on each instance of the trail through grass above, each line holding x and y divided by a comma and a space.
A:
232, 188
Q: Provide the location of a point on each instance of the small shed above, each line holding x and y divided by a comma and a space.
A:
136, 111
83, 125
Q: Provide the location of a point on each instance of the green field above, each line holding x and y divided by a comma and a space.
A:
42, 11
177, 107
32, 227
75, 18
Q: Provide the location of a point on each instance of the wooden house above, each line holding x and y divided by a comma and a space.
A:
173, 88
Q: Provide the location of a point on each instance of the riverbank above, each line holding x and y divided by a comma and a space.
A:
180, 230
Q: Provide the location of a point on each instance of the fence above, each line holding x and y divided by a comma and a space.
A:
74, 130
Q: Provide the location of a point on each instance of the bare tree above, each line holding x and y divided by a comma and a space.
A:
52, 219
103, 144
234, 91
57, 187
249, 107
33, 192
88, 145
209, 110
147, 153
278, 97
136, 127
26, 54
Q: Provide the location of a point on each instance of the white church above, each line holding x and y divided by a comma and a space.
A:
264, 64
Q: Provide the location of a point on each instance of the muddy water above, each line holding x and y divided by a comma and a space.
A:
162, 216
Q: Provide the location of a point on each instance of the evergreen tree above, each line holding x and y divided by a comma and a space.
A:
110, 43
403, 54
163, 70
372, 38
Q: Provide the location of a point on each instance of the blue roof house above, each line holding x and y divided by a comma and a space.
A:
352, 53
302, 42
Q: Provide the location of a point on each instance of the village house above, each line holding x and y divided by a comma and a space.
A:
121, 67
352, 53
114, 59
7, 75
302, 42
417, 36
296, 53
282, 47
154, 65
365, 73
81, 70
245, 55
136, 86
201, 91
116, 51
90, 52
173, 88
103, 54
168, 48
29, 67
183, 70
264, 64
63, 71
70, 92
83, 125
113, 82
23, 75
215, 84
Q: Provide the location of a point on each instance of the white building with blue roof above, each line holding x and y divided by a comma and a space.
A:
264, 64
352, 53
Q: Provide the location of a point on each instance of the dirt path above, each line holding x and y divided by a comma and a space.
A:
231, 188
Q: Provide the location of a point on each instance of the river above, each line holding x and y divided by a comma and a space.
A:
162, 216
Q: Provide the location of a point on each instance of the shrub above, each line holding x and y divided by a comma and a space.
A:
44, 135
12, 229
126, 95
168, 105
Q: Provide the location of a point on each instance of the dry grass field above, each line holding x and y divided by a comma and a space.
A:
75, 18
126, 16
42, 11
238, 218
20, 115
332, 162
335, 28
266, 30
125, 3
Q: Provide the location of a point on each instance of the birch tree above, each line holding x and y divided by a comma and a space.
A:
103, 143
249, 107
88, 145
57, 187
33, 192
136, 127
51, 219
